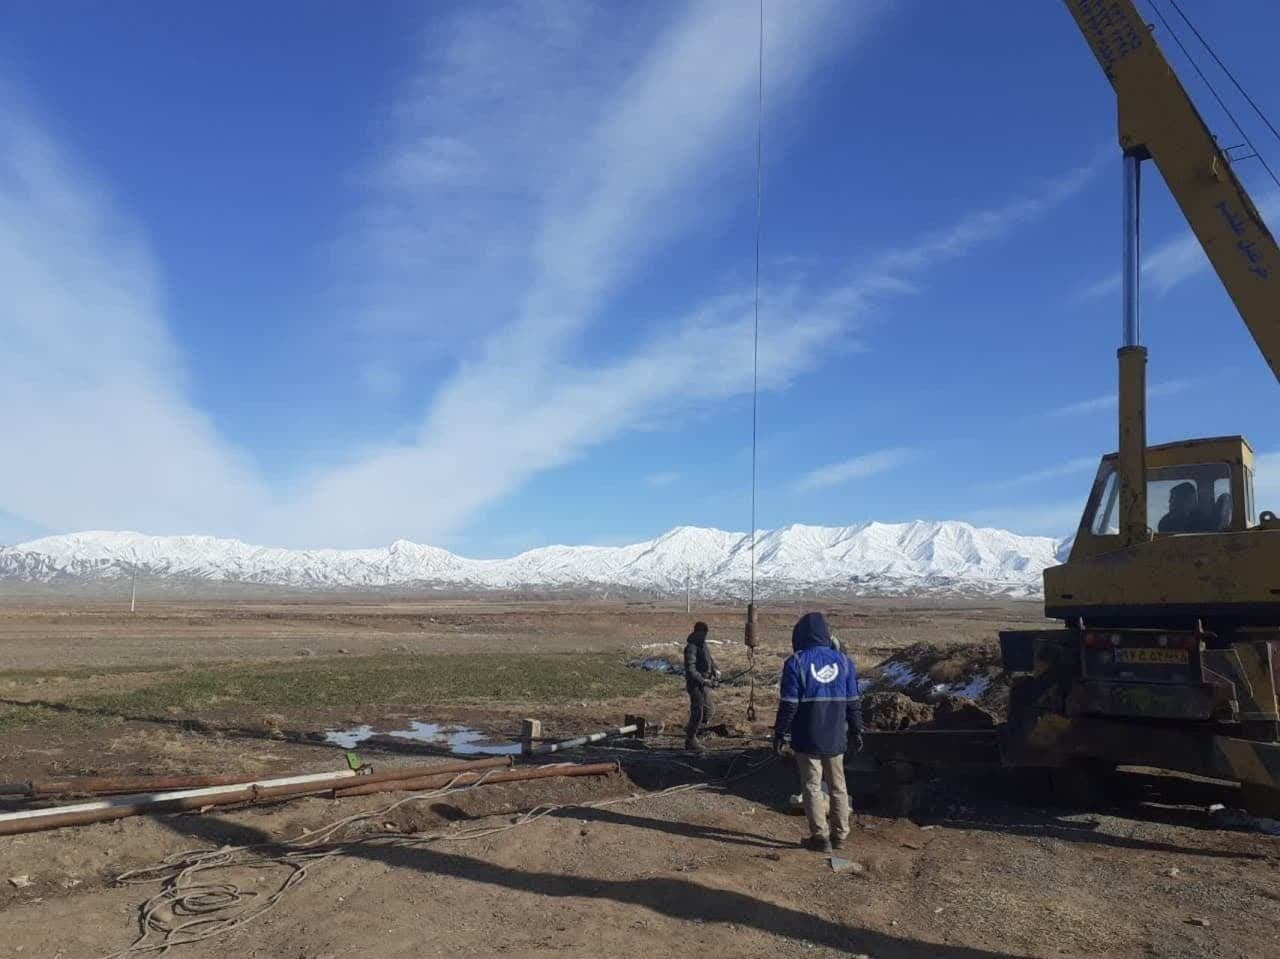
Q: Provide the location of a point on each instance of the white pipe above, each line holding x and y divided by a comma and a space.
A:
582, 740
156, 798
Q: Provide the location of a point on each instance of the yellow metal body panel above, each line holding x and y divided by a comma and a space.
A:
1230, 575
1211, 575
1158, 119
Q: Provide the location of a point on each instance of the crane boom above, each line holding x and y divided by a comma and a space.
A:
1157, 120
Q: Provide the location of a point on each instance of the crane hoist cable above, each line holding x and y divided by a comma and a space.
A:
1225, 69
750, 632
1244, 135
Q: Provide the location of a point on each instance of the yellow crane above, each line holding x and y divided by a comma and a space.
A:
1169, 654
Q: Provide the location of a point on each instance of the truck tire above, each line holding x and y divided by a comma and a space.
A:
1082, 784
1260, 800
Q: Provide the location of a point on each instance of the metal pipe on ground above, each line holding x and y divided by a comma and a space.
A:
437, 769
123, 785
122, 807
546, 748
427, 783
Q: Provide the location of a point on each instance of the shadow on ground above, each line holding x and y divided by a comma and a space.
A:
680, 899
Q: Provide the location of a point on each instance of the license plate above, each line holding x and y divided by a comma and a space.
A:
1144, 655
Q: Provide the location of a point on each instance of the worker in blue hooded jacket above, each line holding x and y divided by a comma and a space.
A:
818, 705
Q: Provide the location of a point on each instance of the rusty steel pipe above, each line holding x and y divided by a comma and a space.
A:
124, 785
427, 783
438, 769
317, 784
12, 824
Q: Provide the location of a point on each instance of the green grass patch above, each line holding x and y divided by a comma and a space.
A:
15, 719
84, 672
385, 680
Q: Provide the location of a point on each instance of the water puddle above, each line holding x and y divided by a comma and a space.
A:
461, 740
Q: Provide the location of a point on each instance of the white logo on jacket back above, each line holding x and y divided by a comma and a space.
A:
826, 674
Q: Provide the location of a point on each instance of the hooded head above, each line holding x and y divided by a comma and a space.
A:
810, 632
699, 634
1182, 498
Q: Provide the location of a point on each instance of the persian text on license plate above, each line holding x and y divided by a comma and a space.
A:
1143, 655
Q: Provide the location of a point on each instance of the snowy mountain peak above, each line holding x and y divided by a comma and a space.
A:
869, 558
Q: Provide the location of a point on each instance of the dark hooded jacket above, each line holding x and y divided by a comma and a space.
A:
699, 664
818, 696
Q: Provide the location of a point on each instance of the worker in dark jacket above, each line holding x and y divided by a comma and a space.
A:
700, 675
818, 705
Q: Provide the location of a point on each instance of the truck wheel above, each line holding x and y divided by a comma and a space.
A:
1081, 785
1033, 785
899, 792
1260, 800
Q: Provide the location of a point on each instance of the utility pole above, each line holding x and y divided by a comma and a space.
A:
688, 594
133, 597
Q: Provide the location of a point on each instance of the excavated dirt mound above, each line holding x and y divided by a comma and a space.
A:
955, 712
890, 712
929, 673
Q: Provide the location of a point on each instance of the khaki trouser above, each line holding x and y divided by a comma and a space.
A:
812, 771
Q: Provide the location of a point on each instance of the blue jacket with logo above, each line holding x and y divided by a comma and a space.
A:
818, 696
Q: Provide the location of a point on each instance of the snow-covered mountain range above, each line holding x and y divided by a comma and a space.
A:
868, 559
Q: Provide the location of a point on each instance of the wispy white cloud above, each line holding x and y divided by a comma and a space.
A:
1110, 401
659, 480
859, 467
1172, 261
481, 140
610, 181
1072, 467
985, 226
96, 424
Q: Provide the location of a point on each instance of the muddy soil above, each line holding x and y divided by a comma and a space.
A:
716, 870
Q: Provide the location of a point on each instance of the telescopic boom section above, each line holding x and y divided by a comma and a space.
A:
1158, 120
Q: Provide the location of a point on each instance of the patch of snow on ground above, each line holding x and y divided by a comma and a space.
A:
897, 674
974, 689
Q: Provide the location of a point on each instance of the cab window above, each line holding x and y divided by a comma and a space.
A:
1250, 510
1106, 512
1189, 499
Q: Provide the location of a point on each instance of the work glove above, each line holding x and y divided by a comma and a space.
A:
855, 740
779, 742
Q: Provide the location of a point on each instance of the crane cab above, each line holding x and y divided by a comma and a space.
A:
1210, 560
1195, 486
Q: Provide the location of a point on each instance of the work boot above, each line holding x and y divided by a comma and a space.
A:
820, 844
837, 842
693, 746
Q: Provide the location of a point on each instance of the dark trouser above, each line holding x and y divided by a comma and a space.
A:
700, 711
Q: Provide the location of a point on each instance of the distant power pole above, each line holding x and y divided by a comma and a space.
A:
133, 597
688, 594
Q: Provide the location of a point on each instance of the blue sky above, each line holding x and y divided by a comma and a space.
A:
480, 274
